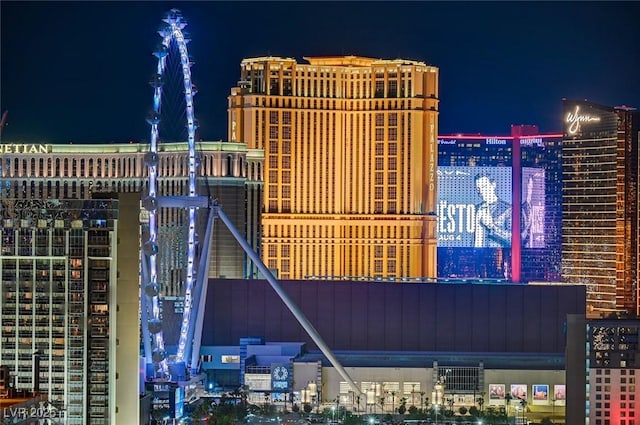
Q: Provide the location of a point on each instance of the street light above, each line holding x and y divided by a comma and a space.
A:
438, 394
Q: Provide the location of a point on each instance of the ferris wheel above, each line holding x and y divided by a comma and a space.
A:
187, 355
154, 344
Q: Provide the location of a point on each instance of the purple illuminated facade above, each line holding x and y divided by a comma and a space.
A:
480, 233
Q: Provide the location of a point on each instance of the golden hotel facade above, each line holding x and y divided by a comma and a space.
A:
350, 164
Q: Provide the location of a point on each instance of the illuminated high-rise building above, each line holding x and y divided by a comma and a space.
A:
600, 205
70, 294
68, 259
228, 172
525, 168
350, 163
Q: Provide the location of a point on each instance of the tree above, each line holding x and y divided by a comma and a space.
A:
307, 408
450, 402
473, 411
480, 403
507, 399
523, 403
403, 406
462, 410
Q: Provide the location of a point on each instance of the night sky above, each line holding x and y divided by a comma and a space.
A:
79, 71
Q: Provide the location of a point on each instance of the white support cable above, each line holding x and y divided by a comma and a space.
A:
293, 308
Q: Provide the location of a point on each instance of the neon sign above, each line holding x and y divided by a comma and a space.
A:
537, 141
575, 120
23, 148
495, 141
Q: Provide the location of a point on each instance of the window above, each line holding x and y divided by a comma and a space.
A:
379, 88
378, 266
393, 88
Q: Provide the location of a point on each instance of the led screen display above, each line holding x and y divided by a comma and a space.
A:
532, 215
474, 207
540, 394
518, 392
559, 394
496, 394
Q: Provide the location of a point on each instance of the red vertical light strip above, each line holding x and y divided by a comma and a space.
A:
516, 189
516, 179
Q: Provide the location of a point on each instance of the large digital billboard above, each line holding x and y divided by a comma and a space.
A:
532, 216
474, 207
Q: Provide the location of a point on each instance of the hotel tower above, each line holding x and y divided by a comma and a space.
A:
350, 164
69, 261
600, 205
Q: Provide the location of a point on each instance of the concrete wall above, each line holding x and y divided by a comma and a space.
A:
127, 311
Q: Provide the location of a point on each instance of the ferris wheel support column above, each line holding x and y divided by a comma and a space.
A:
194, 337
